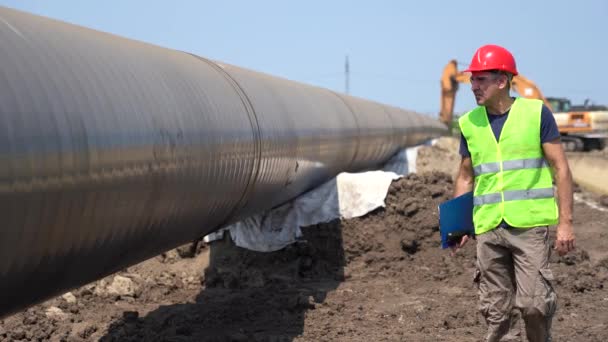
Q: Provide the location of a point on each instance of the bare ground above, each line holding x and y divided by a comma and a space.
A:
382, 277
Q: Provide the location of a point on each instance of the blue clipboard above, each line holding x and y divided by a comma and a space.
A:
456, 219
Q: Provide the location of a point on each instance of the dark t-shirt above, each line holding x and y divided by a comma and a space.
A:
548, 128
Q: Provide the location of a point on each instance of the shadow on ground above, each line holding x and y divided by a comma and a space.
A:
248, 296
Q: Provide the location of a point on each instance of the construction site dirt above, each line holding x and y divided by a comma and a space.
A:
381, 277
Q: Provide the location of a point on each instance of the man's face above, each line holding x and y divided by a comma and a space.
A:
485, 86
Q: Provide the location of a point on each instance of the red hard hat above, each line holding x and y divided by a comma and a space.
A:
493, 57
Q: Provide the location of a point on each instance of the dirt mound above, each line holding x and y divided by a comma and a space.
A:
408, 224
441, 157
381, 277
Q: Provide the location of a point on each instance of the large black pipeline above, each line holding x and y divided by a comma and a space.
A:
113, 150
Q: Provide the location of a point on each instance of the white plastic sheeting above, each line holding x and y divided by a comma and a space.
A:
346, 196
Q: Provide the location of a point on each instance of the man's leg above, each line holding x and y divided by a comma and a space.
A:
496, 284
535, 296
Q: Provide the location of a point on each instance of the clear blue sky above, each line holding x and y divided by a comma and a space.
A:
397, 49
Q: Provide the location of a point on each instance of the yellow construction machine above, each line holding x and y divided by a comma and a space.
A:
583, 127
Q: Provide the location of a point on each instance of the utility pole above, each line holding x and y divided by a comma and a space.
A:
346, 76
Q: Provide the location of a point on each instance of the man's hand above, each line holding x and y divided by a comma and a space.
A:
564, 242
456, 247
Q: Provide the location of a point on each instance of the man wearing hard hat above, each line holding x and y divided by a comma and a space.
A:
511, 154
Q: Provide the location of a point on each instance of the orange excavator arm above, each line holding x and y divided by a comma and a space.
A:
451, 77
526, 88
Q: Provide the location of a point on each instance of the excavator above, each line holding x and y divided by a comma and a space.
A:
582, 127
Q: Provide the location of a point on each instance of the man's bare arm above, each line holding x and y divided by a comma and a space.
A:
464, 184
554, 153
464, 180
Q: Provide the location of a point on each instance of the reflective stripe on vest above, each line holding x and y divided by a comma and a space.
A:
509, 165
513, 195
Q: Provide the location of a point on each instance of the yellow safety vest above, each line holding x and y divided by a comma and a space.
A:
512, 179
